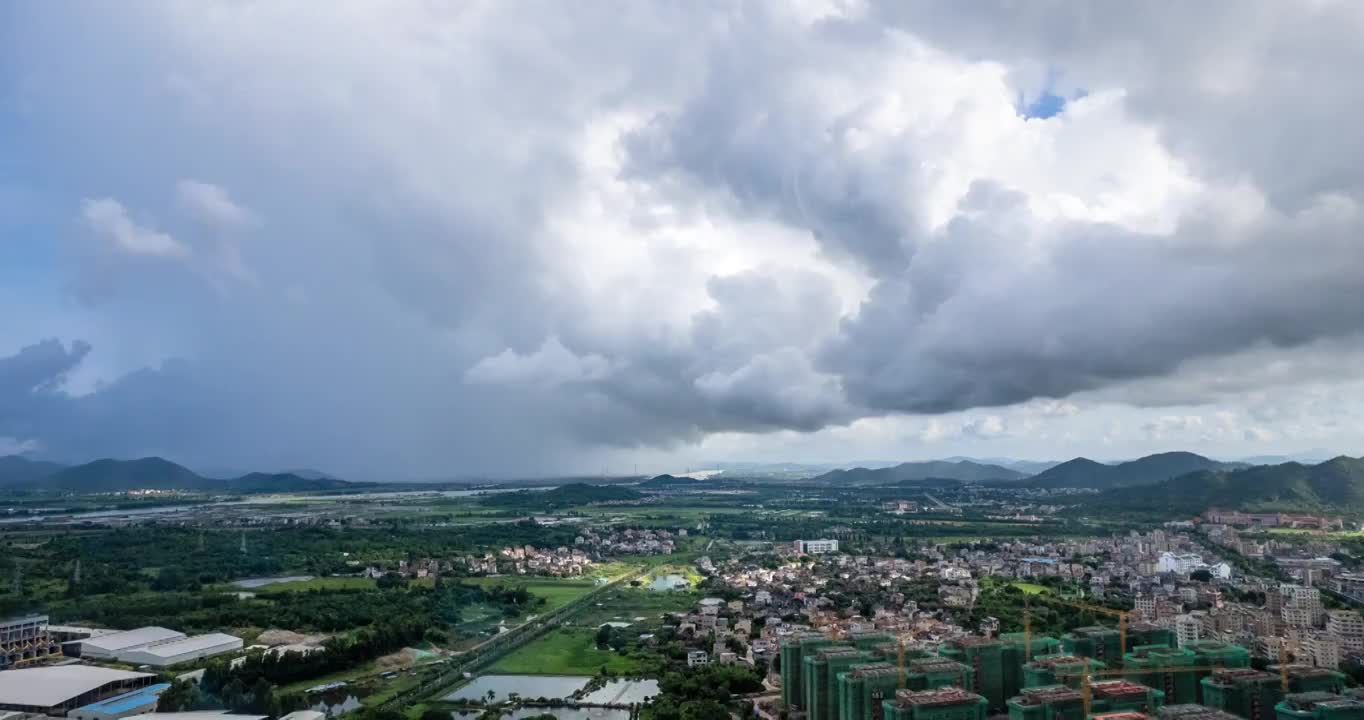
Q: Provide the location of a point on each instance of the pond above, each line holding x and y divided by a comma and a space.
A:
623, 692
527, 686
336, 701
669, 582
262, 582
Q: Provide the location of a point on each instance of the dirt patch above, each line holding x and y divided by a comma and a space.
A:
405, 658
275, 636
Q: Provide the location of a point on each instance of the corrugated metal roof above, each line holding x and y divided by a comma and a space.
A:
130, 639
52, 686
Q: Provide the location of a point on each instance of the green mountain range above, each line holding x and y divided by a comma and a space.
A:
150, 473
1086, 473
964, 471
1335, 486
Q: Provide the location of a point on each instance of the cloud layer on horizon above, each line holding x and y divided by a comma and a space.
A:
491, 239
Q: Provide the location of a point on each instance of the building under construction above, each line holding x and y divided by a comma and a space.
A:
819, 678
1215, 653
1245, 692
1119, 716
1058, 670
793, 651
1020, 648
985, 657
1319, 706
1124, 696
862, 689
1145, 633
1159, 667
942, 704
864, 640
931, 673
1307, 678
1095, 641
1052, 702
1193, 711
24, 641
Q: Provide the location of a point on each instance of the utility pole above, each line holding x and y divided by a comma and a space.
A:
76, 575
243, 542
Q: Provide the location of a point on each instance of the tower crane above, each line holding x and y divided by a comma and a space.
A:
1122, 616
1086, 694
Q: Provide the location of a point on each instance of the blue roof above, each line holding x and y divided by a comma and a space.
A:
128, 701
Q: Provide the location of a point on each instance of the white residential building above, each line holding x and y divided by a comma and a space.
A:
1347, 627
1188, 629
1325, 651
1182, 563
816, 547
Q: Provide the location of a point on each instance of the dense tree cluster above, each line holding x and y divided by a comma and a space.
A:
703, 693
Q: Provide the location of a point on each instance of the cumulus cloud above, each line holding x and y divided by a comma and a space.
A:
471, 229
211, 204
108, 219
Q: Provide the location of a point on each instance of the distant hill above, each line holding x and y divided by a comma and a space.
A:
570, 495
669, 481
1027, 467
1334, 486
150, 473
930, 483
308, 474
1086, 473
281, 482
964, 471
17, 470
154, 473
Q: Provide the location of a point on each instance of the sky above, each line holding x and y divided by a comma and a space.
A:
412, 239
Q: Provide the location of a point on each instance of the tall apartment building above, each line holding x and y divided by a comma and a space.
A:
1347, 627
1324, 649
1188, 629
1302, 606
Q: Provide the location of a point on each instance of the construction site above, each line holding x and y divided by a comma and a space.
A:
1094, 672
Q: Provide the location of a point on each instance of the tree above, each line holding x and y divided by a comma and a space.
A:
603, 637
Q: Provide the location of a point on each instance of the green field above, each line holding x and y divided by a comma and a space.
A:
1030, 588
557, 593
564, 652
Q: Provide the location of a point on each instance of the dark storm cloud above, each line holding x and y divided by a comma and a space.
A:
467, 232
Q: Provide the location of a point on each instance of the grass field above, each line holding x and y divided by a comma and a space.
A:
563, 652
1030, 588
626, 604
557, 593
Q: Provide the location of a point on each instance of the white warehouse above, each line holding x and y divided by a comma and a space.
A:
109, 647
157, 646
183, 650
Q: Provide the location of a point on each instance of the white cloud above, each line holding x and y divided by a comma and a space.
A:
212, 205
108, 218
551, 364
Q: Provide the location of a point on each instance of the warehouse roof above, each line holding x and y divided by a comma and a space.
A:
171, 648
52, 686
122, 704
199, 715
130, 639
